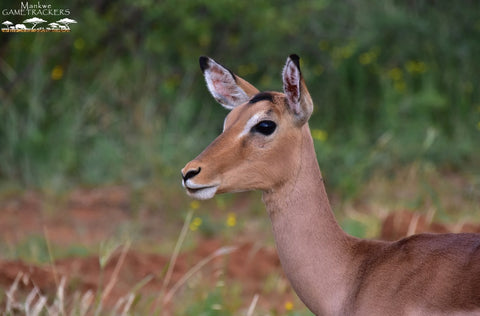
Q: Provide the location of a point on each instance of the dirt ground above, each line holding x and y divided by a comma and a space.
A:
89, 216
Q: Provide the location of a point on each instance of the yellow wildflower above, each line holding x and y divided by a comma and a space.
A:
369, 56
395, 74
416, 67
478, 125
365, 58
343, 52
231, 220
320, 135
57, 72
195, 224
194, 205
288, 306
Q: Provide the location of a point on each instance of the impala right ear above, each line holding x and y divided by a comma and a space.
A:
299, 101
227, 88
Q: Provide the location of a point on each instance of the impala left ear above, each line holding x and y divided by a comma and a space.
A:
226, 87
299, 101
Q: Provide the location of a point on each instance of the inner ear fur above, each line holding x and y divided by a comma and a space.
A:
227, 88
299, 100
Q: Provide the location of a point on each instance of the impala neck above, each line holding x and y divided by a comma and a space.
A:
313, 249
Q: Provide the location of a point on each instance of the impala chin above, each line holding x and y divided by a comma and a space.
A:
200, 192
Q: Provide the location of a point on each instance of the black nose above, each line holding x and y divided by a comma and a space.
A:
191, 174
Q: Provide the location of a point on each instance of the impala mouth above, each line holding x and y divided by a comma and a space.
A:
200, 192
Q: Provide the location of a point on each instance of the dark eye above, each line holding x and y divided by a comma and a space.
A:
265, 127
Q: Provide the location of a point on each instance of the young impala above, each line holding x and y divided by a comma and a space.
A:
266, 145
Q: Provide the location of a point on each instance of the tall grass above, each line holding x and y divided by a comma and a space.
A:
127, 103
166, 302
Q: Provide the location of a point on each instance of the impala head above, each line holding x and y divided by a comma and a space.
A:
260, 143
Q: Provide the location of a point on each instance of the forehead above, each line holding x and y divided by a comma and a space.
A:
263, 102
262, 96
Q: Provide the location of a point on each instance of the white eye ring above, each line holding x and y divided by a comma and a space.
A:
254, 120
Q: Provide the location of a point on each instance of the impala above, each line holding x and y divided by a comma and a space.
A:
266, 145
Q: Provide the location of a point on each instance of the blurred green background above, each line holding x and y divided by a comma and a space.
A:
120, 99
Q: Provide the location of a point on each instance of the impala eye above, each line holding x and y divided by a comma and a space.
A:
265, 127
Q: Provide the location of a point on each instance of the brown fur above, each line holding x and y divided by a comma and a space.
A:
439, 272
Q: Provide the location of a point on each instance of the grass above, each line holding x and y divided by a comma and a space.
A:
200, 290
221, 300
80, 111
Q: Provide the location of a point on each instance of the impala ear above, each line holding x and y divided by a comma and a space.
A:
299, 101
227, 88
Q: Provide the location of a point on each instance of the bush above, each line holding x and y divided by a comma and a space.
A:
121, 98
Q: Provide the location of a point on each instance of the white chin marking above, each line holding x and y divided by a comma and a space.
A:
202, 193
